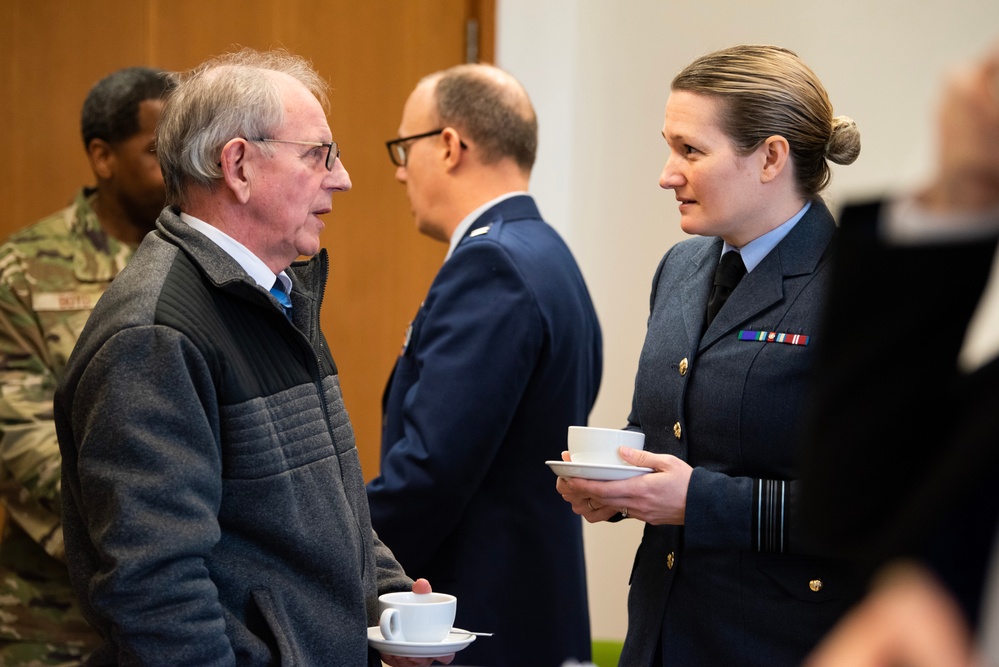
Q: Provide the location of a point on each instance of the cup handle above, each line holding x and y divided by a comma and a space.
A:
389, 623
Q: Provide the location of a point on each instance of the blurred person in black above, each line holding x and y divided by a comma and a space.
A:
904, 423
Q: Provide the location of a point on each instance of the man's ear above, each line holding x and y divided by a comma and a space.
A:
454, 148
102, 158
236, 171
775, 152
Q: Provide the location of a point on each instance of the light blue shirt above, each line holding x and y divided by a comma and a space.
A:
754, 251
253, 265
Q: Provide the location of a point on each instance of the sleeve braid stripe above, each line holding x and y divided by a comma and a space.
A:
769, 524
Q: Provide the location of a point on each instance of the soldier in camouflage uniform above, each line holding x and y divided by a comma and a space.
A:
51, 275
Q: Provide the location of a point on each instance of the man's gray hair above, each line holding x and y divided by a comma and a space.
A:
233, 95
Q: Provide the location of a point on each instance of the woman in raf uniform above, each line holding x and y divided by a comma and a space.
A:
720, 577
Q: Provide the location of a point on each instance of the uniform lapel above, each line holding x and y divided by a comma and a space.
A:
799, 253
697, 287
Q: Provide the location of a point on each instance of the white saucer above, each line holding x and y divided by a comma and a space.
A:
456, 640
595, 470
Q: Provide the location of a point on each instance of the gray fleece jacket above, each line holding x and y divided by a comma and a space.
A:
214, 507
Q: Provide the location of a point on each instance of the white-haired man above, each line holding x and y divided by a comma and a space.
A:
214, 507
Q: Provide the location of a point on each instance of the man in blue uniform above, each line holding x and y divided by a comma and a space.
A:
503, 355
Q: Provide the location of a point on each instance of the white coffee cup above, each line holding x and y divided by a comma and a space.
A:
588, 444
416, 617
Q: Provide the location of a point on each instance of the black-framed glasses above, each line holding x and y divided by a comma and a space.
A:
332, 152
399, 148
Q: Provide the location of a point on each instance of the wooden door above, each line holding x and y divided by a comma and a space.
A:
372, 52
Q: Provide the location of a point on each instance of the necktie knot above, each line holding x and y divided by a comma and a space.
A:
730, 271
278, 292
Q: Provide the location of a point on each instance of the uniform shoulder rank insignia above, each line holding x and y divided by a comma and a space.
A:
774, 337
479, 232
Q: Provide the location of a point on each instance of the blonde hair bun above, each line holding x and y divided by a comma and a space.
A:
844, 142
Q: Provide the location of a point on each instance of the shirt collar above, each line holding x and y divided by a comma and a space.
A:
754, 251
253, 265
462, 228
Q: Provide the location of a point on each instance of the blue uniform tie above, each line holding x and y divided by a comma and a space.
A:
282, 297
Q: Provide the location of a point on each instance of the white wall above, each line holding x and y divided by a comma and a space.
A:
598, 72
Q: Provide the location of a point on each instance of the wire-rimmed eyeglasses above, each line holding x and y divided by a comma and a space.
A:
332, 152
399, 148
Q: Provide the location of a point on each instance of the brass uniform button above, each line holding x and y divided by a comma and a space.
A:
815, 585
683, 366
676, 430
670, 560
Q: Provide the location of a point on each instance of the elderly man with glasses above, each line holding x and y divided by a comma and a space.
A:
214, 506
503, 355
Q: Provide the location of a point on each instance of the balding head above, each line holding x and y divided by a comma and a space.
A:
491, 108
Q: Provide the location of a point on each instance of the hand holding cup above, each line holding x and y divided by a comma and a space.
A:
600, 446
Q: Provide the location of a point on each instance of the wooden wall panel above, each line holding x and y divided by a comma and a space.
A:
184, 33
51, 53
